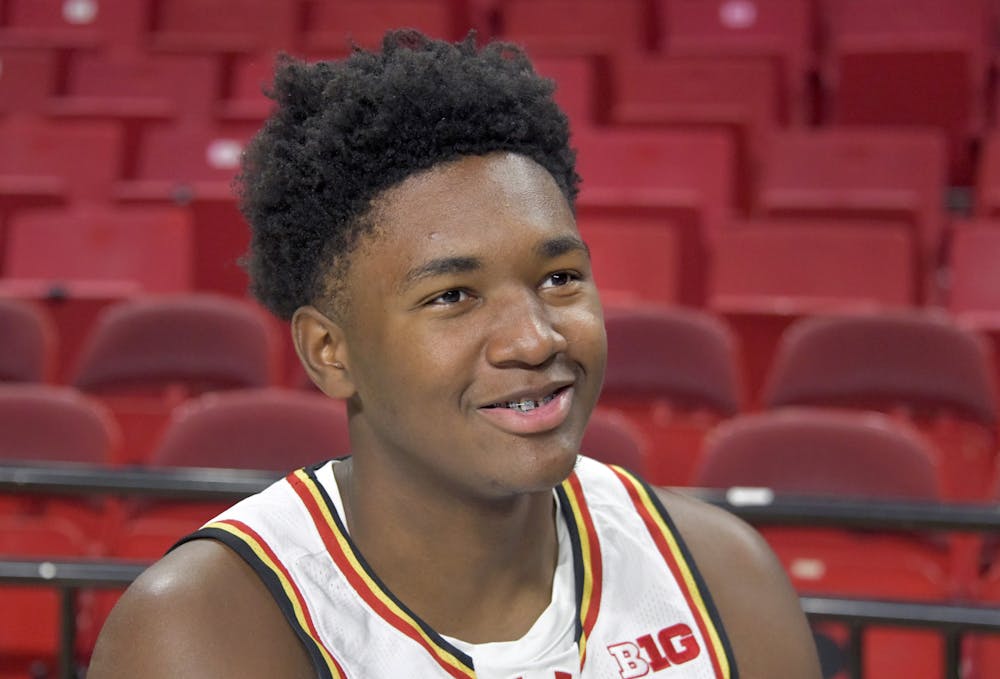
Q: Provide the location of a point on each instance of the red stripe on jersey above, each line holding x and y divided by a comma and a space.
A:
676, 562
337, 545
592, 604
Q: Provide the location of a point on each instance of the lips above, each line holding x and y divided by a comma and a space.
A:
530, 413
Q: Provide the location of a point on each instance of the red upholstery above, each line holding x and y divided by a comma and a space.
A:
54, 424
775, 32
145, 356
551, 27
611, 438
272, 429
681, 178
27, 342
844, 454
222, 25
150, 246
858, 173
729, 94
919, 363
674, 373
27, 80
768, 273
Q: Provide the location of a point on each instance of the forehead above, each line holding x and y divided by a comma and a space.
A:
475, 206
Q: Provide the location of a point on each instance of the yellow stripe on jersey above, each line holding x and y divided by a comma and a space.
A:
290, 593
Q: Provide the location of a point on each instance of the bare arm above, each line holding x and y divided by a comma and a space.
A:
760, 611
200, 612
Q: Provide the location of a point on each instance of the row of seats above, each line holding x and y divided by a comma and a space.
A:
675, 372
668, 194
816, 451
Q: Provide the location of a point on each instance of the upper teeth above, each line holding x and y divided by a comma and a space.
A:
526, 404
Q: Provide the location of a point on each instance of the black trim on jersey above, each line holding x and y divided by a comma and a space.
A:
578, 566
706, 596
428, 630
270, 580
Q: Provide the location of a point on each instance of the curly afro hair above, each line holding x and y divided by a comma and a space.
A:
343, 132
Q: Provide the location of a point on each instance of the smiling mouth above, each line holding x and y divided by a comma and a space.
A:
527, 405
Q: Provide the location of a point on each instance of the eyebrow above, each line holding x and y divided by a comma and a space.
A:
444, 266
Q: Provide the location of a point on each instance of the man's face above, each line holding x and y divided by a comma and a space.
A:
474, 337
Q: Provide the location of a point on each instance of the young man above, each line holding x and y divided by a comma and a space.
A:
412, 215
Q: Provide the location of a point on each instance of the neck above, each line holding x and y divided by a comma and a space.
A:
478, 571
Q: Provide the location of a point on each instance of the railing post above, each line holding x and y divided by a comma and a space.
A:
856, 644
67, 632
952, 654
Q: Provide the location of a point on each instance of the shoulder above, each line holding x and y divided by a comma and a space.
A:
759, 609
201, 611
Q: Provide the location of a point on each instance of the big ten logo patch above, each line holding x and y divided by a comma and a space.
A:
674, 645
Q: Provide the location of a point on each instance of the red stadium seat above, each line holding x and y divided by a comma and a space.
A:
680, 179
334, 26
918, 365
576, 87
73, 307
844, 455
775, 32
139, 86
72, 24
632, 259
223, 26
273, 429
48, 162
193, 163
859, 173
29, 627
923, 62
576, 27
150, 246
612, 439
674, 374
27, 80
27, 342
973, 272
146, 356
768, 273
44, 424
728, 94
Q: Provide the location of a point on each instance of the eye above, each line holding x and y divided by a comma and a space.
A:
449, 297
560, 279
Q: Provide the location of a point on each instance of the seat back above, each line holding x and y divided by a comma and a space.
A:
27, 342
612, 439
271, 429
44, 423
975, 276
149, 245
200, 341
820, 452
920, 360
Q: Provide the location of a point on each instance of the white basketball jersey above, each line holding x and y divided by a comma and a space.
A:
642, 609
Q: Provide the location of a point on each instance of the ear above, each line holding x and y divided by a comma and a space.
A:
322, 348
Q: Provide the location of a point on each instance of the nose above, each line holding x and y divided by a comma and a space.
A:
524, 334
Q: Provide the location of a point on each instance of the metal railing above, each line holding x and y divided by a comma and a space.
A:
758, 506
